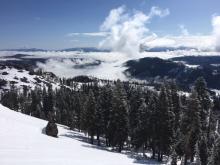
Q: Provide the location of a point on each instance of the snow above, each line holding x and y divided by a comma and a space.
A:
16, 75
217, 92
23, 143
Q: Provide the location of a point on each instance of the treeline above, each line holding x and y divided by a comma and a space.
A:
131, 117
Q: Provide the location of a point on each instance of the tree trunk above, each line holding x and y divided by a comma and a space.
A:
106, 142
92, 139
158, 156
120, 148
153, 150
161, 157
185, 160
98, 139
143, 151
192, 158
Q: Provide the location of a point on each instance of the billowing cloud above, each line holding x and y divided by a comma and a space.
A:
216, 31
209, 42
127, 30
199, 42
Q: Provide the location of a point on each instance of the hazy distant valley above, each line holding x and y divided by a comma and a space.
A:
150, 67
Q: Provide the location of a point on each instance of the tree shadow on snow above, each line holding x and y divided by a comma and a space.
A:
137, 157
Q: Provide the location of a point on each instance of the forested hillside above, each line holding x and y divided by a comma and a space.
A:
131, 117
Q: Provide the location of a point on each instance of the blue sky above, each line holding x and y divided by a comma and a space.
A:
46, 23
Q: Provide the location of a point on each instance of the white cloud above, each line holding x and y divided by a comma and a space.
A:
184, 30
113, 18
216, 31
156, 11
209, 42
64, 64
127, 30
91, 34
198, 42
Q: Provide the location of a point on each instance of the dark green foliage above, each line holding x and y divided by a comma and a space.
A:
118, 124
204, 99
165, 118
174, 158
203, 150
191, 127
90, 115
215, 156
48, 100
10, 98
129, 116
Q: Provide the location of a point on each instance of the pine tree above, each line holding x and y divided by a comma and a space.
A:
105, 105
174, 158
165, 125
176, 105
141, 132
135, 102
10, 98
215, 156
90, 117
197, 155
99, 117
204, 98
118, 124
203, 150
34, 103
48, 102
191, 126
153, 123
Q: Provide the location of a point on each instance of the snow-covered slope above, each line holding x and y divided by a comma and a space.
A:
23, 143
22, 77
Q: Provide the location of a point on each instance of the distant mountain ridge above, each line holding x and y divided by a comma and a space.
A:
157, 70
83, 49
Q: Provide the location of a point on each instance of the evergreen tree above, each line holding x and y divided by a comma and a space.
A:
176, 105
204, 98
215, 156
90, 118
48, 102
165, 125
153, 123
174, 158
105, 105
191, 126
135, 102
141, 135
203, 150
197, 155
33, 105
118, 124
10, 98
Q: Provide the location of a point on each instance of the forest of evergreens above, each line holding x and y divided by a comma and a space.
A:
131, 117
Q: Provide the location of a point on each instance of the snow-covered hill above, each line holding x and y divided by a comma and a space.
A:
22, 77
23, 143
